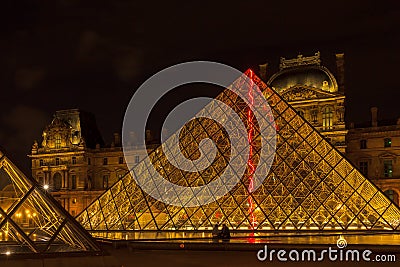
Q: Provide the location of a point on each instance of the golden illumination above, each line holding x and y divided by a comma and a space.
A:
310, 185
33, 216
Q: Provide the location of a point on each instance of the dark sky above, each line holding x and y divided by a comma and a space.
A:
92, 55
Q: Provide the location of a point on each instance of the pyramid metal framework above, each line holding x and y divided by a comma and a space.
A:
310, 185
31, 221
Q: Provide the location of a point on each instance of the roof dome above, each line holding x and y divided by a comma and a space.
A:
318, 77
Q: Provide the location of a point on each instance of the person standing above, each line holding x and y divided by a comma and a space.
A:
215, 231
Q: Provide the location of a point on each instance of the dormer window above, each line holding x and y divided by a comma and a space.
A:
58, 141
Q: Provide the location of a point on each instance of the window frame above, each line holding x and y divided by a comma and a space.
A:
327, 118
388, 168
57, 141
387, 142
363, 144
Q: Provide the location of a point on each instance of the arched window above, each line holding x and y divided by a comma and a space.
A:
327, 118
58, 141
57, 180
392, 195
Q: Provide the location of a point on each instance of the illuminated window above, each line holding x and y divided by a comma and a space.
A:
363, 144
327, 118
120, 176
73, 160
387, 142
314, 115
58, 141
363, 166
105, 161
137, 159
387, 168
120, 160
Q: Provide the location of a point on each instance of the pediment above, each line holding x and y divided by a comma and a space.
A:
301, 92
387, 155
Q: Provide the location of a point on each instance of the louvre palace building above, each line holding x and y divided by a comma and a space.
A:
324, 176
304, 188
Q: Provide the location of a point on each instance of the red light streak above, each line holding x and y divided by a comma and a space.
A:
250, 160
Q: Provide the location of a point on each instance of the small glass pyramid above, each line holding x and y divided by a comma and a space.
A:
31, 221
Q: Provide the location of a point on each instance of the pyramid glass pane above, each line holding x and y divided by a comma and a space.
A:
310, 185
31, 221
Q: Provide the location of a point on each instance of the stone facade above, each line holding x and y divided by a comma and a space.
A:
73, 161
315, 93
375, 150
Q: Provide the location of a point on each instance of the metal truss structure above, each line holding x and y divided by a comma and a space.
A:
31, 221
310, 186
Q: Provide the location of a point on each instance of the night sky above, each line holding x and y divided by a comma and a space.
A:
92, 55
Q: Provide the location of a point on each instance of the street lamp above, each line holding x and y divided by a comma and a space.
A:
46, 187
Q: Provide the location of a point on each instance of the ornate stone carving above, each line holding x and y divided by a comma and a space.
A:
300, 61
299, 93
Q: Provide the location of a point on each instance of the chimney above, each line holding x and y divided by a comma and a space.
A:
117, 139
263, 71
340, 71
374, 117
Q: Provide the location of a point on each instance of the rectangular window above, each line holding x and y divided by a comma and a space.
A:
73, 181
57, 161
137, 159
41, 163
363, 165
73, 160
88, 161
387, 142
58, 141
314, 115
327, 118
105, 161
121, 160
387, 168
363, 144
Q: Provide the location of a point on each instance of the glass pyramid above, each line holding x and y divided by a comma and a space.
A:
31, 221
310, 185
